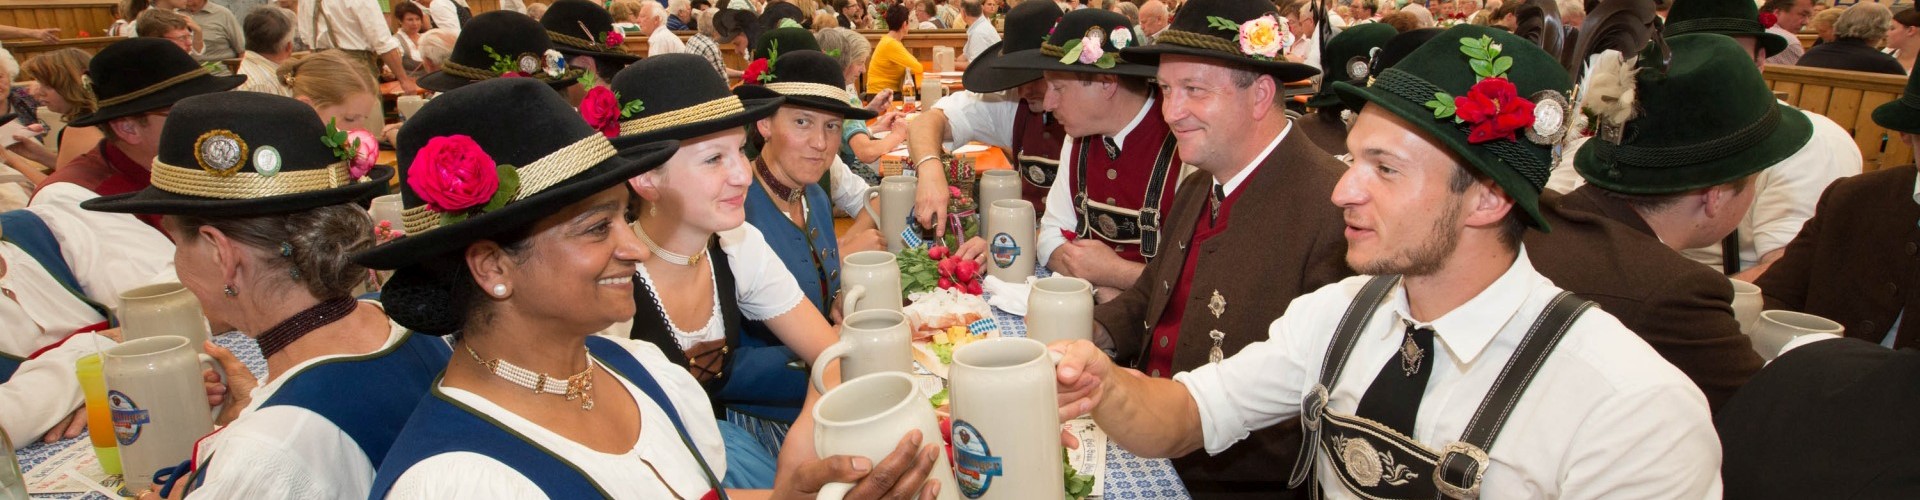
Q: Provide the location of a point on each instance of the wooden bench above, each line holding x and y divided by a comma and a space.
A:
71, 16
1848, 98
23, 50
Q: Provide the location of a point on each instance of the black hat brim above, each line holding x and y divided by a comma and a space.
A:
1033, 60
154, 200
843, 109
415, 248
440, 81
160, 99
751, 111
986, 75
1285, 71
1898, 116
571, 51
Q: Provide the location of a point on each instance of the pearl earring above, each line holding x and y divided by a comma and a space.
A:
229, 291
500, 290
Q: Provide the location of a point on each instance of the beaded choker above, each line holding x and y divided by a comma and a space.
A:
576, 387
302, 323
774, 186
668, 255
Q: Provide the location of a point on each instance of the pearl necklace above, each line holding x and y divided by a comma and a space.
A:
577, 387
670, 256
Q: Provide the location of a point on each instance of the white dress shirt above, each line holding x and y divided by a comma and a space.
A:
262, 75
287, 451
471, 475
1605, 416
663, 41
446, 14
1794, 50
358, 24
763, 288
1788, 193
1059, 212
983, 118
109, 253
980, 35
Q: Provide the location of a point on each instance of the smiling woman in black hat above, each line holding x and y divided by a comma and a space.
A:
261, 206
515, 248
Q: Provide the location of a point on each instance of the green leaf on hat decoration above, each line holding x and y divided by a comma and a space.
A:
627, 110
509, 186
336, 140
449, 219
1442, 106
1072, 50
1221, 23
501, 64
586, 79
1106, 61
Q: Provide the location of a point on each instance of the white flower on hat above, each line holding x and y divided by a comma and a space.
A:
556, 63
1121, 37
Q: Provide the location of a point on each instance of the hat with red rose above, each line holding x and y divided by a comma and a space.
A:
583, 28
1247, 33
1496, 99
699, 103
1647, 142
1725, 17
1084, 41
502, 44
241, 154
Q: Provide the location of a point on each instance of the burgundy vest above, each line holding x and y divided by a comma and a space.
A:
1036, 152
1121, 200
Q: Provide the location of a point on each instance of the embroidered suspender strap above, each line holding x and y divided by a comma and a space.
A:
1464, 462
1150, 209
1080, 227
616, 358
1359, 312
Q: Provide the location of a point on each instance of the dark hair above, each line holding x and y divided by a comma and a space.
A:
701, 4
932, 10
439, 297
1778, 6
401, 9
1907, 17
896, 17
774, 12
128, 9
155, 23
1659, 202
1402, 21
312, 246
1513, 226
267, 28
971, 7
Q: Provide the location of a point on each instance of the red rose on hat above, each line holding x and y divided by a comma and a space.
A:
1768, 19
451, 173
1495, 110
753, 71
601, 109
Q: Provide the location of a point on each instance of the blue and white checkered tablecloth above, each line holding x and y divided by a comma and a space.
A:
31, 456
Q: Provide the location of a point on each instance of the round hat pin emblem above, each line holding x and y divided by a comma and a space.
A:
529, 63
220, 152
266, 161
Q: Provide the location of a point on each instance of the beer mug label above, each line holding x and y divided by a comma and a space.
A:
974, 465
128, 418
1004, 250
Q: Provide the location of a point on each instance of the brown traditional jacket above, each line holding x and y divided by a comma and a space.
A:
1601, 249
1284, 238
1855, 261
1327, 130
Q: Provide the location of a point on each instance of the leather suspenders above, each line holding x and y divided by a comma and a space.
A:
1150, 207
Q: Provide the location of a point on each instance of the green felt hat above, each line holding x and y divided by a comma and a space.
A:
1901, 114
1470, 62
1706, 120
1725, 17
1351, 56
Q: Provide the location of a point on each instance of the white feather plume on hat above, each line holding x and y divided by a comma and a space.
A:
1607, 91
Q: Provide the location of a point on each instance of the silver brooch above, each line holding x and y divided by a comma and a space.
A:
220, 152
266, 161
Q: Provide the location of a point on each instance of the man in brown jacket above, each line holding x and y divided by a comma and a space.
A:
1249, 231
1615, 241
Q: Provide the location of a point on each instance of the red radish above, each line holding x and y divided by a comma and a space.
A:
945, 283
968, 268
973, 288
937, 253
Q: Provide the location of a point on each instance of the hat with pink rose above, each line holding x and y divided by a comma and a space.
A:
1084, 41
1247, 33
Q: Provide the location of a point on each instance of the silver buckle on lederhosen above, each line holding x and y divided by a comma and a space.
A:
1038, 171
1460, 469
1150, 229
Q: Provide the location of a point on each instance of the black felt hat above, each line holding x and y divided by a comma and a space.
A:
502, 43
1724, 17
1071, 45
239, 154
583, 28
808, 78
514, 134
1900, 115
1026, 29
697, 104
784, 40
1402, 44
138, 75
1351, 56
1213, 28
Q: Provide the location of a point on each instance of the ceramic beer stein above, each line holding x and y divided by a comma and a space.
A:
1006, 421
871, 280
896, 202
1776, 328
1010, 249
1060, 308
159, 406
996, 185
871, 341
1746, 304
162, 309
867, 417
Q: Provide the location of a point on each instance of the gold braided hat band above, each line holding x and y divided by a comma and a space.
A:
476, 74
246, 185
535, 177
582, 43
709, 110
1198, 41
1051, 50
150, 89
810, 89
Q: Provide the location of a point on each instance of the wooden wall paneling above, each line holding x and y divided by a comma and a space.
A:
1870, 136
1791, 89
1844, 106
1814, 98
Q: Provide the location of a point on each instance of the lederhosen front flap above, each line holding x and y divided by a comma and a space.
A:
1035, 150
650, 319
441, 425
1374, 461
1118, 224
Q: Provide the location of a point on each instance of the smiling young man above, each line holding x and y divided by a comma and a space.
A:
1403, 379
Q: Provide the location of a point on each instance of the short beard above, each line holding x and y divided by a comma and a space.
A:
1425, 259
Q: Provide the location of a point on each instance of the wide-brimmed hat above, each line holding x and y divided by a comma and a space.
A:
494, 157
1244, 32
807, 78
697, 104
138, 75
1397, 48
499, 44
1724, 17
240, 154
1351, 56
1084, 41
1026, 28
782, 40
1495, 99
1666, 150
583, 28
1899, 115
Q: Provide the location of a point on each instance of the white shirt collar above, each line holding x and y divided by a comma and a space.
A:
1120, 139
1916, 189
1234, 183
1469, 328
979, 21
